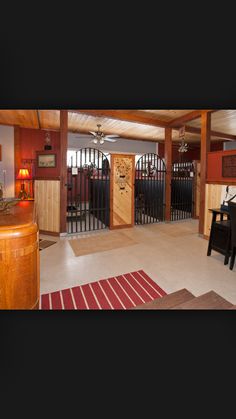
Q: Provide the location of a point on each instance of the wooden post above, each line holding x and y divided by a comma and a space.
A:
205, 148
17, 157
63, 169
168, 162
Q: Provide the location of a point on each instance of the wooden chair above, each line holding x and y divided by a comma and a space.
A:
232, 214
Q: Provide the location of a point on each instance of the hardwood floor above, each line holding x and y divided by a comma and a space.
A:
210, 300
183, 299
168, 301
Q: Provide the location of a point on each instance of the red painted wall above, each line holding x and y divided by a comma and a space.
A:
191, 154
214, 167
32, 140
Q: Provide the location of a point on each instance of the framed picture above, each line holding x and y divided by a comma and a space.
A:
47, 160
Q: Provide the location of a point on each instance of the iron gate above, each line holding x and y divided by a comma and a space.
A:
182, 190
150, 189
88, 183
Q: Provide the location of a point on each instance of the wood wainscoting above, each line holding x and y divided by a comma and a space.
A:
213, 200
122, 190
47, 200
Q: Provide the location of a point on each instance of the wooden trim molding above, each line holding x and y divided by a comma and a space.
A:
225, 182
47, 178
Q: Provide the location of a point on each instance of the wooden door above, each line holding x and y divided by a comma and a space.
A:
122, 191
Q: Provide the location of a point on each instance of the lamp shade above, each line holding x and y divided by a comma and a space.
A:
23, 174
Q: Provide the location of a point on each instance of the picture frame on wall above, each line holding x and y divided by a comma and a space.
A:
46, 160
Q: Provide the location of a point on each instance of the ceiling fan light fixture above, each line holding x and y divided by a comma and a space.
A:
100, 137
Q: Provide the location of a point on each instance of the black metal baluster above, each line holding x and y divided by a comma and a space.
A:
94, 191
102, 195
98, 190
81, 174
90, 162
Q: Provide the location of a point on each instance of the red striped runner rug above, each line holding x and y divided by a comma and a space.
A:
118, 293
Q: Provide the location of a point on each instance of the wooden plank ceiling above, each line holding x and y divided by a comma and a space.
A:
222, 120
146, 125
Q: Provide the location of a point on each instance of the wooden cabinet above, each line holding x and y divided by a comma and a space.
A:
19, 258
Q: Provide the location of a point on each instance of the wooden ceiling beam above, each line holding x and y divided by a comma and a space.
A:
128, 116
38, 118
140, 117
178, 122
123, 137
195, 130
137, 117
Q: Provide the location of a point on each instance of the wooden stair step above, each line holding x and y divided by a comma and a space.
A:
210, 300
168, 301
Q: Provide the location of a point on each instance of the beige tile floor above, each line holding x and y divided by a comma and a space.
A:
172, 254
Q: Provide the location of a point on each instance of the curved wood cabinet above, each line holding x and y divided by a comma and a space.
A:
19, 258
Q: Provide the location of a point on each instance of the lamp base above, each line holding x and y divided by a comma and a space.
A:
23, 194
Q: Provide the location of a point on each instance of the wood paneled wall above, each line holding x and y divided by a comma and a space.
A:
212, 200
47, 199
122, 191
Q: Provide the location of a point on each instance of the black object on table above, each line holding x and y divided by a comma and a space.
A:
220, 234
232, 214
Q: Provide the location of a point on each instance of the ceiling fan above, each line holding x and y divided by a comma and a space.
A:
100, 137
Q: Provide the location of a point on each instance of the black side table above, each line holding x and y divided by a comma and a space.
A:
220, 234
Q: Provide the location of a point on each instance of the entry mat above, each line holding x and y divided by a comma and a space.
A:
101, 243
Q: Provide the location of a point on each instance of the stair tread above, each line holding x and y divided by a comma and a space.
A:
168, 301
210, 300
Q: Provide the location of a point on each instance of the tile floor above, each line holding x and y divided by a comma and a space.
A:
172, 254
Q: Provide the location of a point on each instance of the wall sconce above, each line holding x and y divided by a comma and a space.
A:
47, 145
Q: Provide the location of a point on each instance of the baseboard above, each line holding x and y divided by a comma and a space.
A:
121, 226
49, 233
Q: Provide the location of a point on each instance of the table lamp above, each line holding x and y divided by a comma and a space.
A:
23, 175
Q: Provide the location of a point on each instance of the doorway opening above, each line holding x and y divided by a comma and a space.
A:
88, 190
150, 189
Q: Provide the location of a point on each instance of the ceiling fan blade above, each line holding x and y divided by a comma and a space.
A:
112, 136
92, 132
109, 139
